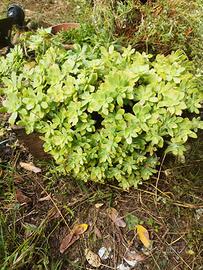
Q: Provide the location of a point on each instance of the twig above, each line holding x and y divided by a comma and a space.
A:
170, 245
163, 193
107, 266
155, 262
187, 165
173, 242
187, 205
179, 256
5, 141
158, 177
181, 204
55, 205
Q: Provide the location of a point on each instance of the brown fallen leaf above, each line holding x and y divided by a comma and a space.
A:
21, 198
92, 258
97, 232
114, 216
133, 257
53, 214
73, 236
30, 167
68, 241
143, 236
46, 198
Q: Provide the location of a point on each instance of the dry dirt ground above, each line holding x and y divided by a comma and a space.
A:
38, 210
45, 10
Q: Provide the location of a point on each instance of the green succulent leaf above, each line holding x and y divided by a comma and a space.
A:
103, 113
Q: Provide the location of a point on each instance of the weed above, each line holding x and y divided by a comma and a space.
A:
159, 26
22, 244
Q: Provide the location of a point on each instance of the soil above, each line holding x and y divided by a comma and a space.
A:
48, 11
38, 210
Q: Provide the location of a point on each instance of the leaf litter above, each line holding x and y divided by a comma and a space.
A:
92, 258
73, 236
143, 235
114, 216
30, 167
22, 198
133, 257
104, 253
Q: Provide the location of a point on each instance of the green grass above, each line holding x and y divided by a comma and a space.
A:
159, 26
21, 244
29, 233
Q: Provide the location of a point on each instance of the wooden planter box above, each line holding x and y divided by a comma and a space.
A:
32, 142
64, 27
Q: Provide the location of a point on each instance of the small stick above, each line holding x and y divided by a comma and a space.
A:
158, 177
55, 205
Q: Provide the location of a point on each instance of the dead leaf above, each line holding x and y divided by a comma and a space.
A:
30, 167
16, 38
73, 236
80, 228
104, 253
4, 50
143, 236
123, 267
98, 205
46, 198
97, 232
114, 216
21, 198
68, 241
92, 258
133, 257
53, 213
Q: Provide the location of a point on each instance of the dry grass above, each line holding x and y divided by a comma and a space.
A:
169, 211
